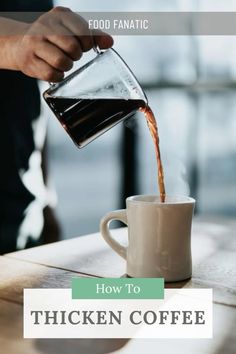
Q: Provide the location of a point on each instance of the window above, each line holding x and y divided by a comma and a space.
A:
190, 84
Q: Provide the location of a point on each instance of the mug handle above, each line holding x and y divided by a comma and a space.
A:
120, 215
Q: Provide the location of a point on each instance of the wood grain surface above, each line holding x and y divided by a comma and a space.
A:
53, 265
213, 251
17, 275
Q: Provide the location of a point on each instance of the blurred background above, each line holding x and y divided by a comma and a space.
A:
190, 84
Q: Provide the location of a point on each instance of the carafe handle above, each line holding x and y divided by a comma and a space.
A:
96, 49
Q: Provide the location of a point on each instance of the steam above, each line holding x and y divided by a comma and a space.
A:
176, 176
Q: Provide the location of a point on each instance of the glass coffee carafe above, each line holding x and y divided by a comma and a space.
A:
95, 97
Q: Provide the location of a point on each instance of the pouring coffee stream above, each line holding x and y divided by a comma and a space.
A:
152, 125
96, 97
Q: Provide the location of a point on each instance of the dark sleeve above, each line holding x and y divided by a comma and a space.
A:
26, 5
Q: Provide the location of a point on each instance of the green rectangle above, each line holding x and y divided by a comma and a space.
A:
117, 288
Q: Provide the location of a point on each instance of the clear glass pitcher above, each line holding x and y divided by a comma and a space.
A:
95, 97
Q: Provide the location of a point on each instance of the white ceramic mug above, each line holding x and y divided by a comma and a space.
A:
159, 236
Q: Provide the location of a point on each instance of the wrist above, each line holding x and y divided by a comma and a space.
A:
13, 46
10, 44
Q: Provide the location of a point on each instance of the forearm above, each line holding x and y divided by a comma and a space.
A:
10, 31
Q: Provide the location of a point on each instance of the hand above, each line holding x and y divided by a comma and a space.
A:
51, 44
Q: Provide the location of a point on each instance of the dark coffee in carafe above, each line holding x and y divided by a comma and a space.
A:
84, 119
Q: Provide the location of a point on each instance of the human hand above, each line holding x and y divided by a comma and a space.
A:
53, 42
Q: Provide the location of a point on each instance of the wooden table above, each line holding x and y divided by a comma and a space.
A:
52, 266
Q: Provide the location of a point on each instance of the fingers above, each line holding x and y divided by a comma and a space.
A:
68, 43
77, 26
46, 72
53, 56
54, 41
102, 39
